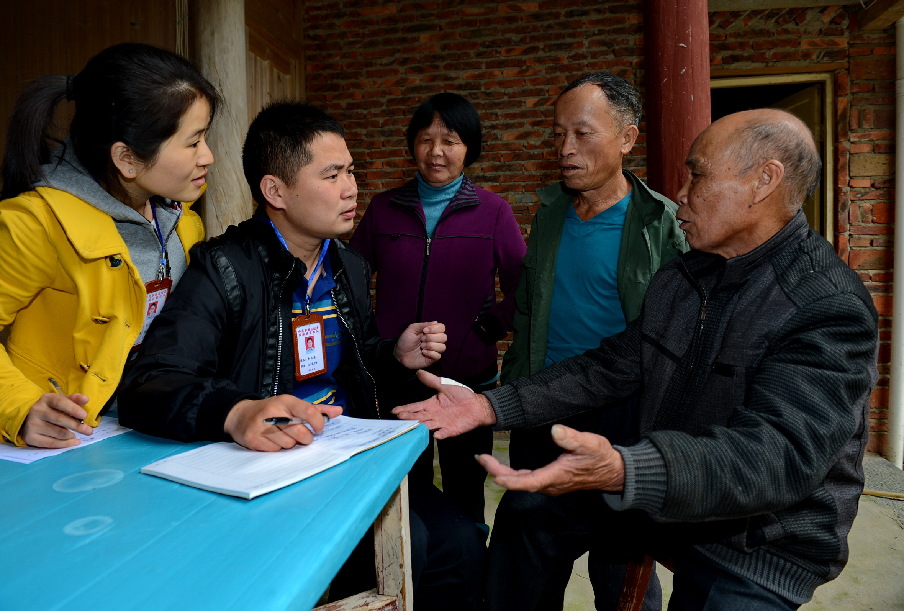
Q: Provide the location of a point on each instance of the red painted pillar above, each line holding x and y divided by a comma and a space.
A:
676, 85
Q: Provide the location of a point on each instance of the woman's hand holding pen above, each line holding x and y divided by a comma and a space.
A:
53, 418
245, 422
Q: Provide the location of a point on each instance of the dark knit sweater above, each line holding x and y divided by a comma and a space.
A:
754, 376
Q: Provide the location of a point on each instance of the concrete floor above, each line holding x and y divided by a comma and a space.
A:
873, 580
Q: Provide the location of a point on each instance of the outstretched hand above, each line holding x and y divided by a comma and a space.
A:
453, 411
421, 344
588, 463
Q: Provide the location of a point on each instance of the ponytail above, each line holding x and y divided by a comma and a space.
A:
29, 137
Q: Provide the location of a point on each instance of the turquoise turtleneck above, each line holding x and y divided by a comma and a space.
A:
435, 199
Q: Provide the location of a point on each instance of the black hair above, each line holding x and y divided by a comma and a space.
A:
456, 113
623, 97
131, 93
279, 142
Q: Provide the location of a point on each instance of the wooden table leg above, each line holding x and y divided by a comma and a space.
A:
392, 546
392, 552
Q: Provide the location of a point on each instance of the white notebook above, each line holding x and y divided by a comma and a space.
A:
229, 468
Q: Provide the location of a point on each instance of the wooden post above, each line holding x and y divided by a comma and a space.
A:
219, 43
677, 100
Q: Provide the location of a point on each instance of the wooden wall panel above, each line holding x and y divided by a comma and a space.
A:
58, 36
275, 52
272, 74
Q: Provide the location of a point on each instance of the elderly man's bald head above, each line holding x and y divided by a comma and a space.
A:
748, 174
775, 134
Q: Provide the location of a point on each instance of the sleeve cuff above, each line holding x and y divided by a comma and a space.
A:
507, 405
646, 479
211, 416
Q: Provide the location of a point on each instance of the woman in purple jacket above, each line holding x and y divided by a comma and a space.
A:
436, 245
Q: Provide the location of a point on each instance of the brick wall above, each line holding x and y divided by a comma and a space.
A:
371, 64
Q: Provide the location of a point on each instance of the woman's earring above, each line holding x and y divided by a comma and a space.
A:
131, 171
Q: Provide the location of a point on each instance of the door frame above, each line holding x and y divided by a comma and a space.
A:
826, 82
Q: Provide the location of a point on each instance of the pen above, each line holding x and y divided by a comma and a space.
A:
56, 386
59, 391
283, 420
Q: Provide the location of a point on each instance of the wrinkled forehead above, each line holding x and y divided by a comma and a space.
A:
585, 104
709, 147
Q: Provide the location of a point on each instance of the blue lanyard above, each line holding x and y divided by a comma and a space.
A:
162, 271
313, 276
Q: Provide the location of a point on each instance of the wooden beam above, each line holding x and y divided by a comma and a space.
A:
755, 5
365, 601
881, 14
718, 72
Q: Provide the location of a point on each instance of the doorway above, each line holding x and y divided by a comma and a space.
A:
807, 96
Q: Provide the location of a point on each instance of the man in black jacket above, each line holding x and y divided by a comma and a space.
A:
753, 361
233, 345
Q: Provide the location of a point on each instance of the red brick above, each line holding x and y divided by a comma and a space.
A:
883, 305
870, 259
883, 212
822, 43
873, 68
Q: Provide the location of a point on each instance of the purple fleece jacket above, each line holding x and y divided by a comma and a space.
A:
450, 278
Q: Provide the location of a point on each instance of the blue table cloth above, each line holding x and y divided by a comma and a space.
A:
86, 530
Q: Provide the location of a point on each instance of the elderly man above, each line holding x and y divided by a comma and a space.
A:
753, 361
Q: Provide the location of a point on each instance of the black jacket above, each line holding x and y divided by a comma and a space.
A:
754, 377
225, 335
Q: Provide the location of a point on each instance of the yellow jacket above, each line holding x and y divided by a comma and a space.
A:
77, 300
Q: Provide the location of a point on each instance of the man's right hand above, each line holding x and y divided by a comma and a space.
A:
453, 411
245, 422
53, 418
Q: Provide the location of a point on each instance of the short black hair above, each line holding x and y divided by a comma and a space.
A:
279, 142
623, 97
456, 113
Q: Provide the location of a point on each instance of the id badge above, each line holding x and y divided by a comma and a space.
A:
157, 292
310, 350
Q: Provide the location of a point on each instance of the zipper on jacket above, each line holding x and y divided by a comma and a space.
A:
279, 336
419, 314
701, 317
420, 293
351, 334
701, 322
689, 377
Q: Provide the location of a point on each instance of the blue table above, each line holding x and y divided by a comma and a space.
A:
141, 542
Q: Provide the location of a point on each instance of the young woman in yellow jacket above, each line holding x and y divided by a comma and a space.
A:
93, 232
